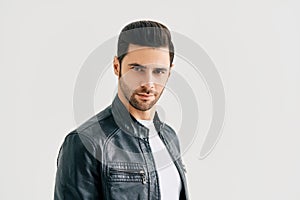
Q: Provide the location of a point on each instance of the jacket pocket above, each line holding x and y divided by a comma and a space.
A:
127, 175
127, 181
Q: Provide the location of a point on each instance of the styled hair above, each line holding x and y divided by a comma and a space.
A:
144, 33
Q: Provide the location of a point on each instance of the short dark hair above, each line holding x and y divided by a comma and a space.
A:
144, 33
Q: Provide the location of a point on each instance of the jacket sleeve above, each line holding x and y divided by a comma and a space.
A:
77, 175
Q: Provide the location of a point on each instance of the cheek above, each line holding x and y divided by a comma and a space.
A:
130, 81
159, 88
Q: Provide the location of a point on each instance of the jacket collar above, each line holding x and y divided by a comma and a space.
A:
128, 123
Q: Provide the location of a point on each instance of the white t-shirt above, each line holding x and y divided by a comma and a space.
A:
168, 176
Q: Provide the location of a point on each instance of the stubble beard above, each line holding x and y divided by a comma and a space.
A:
130, 95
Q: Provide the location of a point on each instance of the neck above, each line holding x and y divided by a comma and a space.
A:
137, 114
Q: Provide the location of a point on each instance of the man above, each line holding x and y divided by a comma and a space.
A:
125, 151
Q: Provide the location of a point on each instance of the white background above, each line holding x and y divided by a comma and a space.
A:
255, 46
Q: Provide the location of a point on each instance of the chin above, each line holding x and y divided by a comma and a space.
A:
141, 105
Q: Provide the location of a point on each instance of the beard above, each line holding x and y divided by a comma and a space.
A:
131, 96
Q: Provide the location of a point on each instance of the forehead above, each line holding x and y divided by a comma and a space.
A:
147, 55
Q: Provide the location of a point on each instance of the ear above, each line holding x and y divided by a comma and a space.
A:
116, 65
171, 67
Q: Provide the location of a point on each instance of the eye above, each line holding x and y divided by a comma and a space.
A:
137, 68
159, 71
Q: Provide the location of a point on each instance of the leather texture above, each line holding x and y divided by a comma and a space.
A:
109, 157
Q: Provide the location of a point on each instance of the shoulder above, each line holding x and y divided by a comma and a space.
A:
91, 135
99, 127
169, 131
170, 135
76, 148
76, 144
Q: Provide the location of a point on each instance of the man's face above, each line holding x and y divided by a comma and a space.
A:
144, 73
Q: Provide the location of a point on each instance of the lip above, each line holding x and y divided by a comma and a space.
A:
145, 96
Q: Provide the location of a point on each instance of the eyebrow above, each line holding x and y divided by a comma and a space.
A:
139, 65
162, 68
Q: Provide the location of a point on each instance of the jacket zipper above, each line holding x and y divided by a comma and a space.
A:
134, 172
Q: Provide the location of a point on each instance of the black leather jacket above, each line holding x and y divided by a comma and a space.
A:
109, 157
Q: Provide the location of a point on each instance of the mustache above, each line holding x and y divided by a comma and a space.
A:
147, 91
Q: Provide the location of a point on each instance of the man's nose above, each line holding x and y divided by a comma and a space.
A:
148, 80
148, 84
